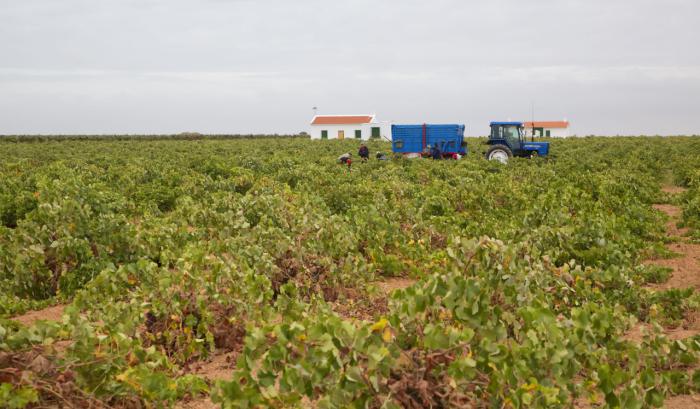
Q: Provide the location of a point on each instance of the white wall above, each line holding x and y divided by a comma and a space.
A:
558, 132
333, 131
554, 132
385, 130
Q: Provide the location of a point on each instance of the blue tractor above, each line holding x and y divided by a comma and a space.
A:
507, 139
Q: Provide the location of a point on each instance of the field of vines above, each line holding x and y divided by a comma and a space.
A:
393, 284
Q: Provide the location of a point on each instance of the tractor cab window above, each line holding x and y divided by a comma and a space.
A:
511, 133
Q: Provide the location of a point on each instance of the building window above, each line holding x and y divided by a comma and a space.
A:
324, 134
375, 132
549, 133
358, 134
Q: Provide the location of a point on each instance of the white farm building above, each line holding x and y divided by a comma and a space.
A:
554, 129
349, 127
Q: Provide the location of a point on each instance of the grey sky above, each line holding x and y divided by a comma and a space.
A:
240, 66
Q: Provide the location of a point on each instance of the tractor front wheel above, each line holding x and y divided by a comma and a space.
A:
500, 153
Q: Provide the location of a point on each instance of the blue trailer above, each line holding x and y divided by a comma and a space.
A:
414, 140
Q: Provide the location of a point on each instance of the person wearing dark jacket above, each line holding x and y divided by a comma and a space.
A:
363, 153
436, 153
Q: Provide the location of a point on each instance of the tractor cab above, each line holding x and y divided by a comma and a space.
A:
507, 139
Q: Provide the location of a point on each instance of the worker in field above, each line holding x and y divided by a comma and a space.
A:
436, 153
363, 153
345, 159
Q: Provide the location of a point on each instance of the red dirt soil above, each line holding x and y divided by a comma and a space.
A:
688, 329
395, 283
686, 268
674, 213
219, 368
200, 403
686, 273
683, 402
48, 314
673, 190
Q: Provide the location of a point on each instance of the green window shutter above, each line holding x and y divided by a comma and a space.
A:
324, 134
375, 132
358, 134
549, 133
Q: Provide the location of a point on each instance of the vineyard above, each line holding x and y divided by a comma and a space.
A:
257, 273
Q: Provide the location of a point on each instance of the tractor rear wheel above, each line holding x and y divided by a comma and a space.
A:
500, 153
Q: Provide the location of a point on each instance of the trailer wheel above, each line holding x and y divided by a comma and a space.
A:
500, 153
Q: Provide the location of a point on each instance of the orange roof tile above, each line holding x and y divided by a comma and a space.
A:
341, 119
547, 124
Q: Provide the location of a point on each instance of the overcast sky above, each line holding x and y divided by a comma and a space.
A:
259, 66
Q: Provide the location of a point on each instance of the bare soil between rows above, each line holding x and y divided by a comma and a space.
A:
53, 313
686, 266
673, 189
219, 368
389, 285
686, 273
